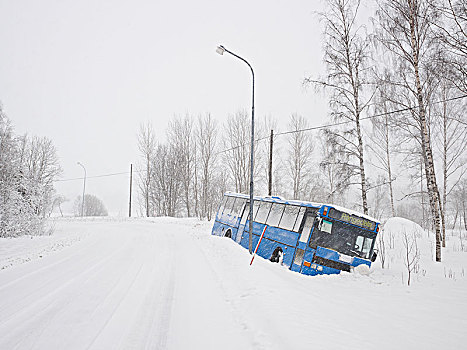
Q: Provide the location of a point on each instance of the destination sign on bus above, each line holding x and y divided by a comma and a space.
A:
352, 219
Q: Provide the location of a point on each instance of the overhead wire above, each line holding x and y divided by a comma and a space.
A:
290, 132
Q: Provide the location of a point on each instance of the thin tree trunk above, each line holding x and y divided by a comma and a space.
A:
455, 218
445, 166
362, 167
388, 159
426, 148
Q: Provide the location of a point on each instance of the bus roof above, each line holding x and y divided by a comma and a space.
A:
301, 203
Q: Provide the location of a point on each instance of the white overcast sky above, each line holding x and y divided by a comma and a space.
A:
86, 73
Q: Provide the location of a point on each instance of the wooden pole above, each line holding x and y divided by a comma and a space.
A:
131, 183
270, 163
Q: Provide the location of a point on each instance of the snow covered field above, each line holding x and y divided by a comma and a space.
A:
168, 284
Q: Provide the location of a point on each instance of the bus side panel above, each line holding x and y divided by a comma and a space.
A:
218, 229
257, 230
267, 247
283, 236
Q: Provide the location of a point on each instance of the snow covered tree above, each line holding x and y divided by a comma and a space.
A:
28, 168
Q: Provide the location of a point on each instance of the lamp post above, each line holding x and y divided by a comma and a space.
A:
220, 50
84, 189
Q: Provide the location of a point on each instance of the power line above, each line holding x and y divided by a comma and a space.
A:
98, 176
374, 116
349, 121
291, 132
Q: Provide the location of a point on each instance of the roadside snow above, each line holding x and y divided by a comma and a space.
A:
165, 283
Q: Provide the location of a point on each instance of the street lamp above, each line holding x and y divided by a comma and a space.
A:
84, 189
220, 50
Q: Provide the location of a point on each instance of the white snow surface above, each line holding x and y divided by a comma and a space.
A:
166, 283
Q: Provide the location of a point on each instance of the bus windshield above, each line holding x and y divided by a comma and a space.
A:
344, 238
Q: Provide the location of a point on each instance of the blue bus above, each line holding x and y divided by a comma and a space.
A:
306, 237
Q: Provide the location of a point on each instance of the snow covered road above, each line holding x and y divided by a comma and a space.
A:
168, 284
122, 287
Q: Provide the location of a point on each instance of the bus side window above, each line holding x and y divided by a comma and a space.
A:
221, 208
238, 204
256, 205
289, 217
228, 206
263, 212
296, 227
275, 214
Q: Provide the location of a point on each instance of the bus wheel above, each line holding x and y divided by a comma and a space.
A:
276, 255
228, 234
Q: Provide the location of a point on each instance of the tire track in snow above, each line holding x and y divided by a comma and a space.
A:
81, 248
115, 308
46, 304
153, 319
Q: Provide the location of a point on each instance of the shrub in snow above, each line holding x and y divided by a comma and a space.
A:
407, 246
93, 206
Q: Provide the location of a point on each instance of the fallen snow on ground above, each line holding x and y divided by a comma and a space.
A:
165, 283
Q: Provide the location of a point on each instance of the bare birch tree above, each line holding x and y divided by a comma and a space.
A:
181, 139
336, 174
382, 144
206, 138
346, 57
147, 148
237, 140
451, 31
300, 153
405, 30
452, 138
166, 185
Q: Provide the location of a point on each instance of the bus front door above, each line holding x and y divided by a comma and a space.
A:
303, 241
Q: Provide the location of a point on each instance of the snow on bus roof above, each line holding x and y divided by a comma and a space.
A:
302, 203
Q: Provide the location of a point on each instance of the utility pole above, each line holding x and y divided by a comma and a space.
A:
84, 188
131, 183
270, 163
